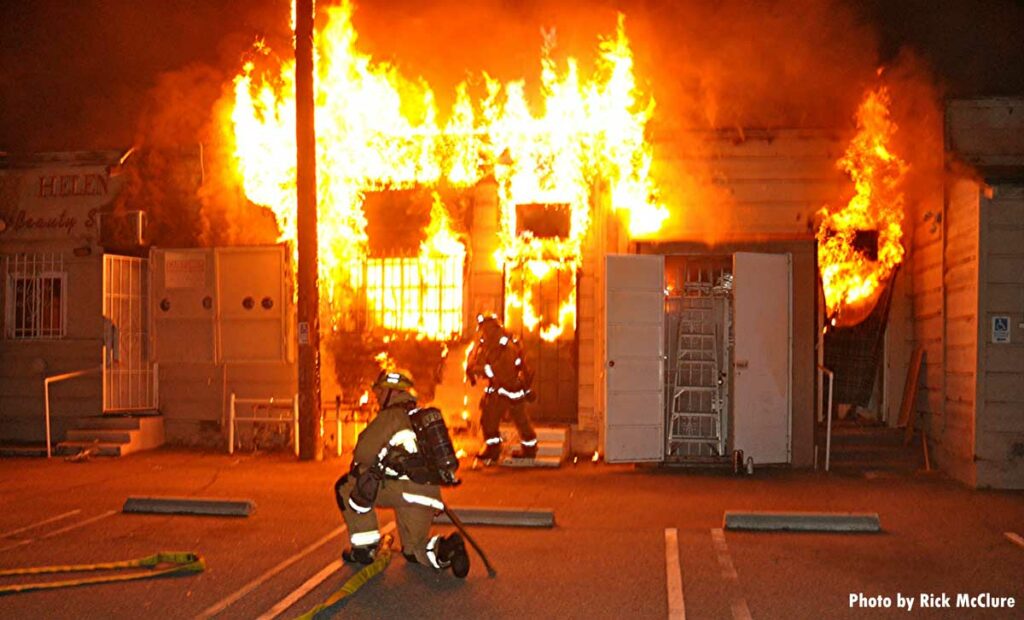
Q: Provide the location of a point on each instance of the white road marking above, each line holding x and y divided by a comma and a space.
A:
78, 525
310, 584
722, 551
740, 611
674, 576
56, 532
255, 583
38, 523
1015, 538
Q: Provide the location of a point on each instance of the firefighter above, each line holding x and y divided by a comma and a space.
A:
499, 357
391, 468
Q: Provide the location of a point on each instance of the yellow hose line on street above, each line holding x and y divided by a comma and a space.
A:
179, 562
355, 581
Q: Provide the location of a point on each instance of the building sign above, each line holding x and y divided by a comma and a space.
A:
69, 185
49, 221
55, 201
184, 270
1000, 329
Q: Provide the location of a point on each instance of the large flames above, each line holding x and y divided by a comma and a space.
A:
377, 130
860, 245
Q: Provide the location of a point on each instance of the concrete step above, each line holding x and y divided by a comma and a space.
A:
539, 461
875, 453
104, 435
130, 433
872, 436
551, 448
552, 434
70, 448
108, 422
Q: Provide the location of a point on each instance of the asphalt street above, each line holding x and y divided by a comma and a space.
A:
627, 543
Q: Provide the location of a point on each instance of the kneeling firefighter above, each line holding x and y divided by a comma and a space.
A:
401, 460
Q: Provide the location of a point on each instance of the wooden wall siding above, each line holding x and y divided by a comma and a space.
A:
774, 181
25, 364
954, 434
986, 132
1000, 423
761, 183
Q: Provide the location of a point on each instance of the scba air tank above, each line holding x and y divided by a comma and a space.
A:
434, 440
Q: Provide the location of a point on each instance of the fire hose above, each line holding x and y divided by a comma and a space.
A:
173, 563
462, 528
356, 581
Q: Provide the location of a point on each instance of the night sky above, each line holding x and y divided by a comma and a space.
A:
86, 74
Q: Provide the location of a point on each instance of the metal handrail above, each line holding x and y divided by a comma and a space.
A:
46, 397
828, 413
291, 404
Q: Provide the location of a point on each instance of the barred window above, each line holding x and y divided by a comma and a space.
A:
35, 299
415, 294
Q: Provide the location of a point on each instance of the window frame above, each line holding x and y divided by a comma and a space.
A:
35, 271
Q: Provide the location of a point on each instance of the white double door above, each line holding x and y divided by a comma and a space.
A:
634, 361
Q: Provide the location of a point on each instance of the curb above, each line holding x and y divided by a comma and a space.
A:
190, 506
513, 517
803, 521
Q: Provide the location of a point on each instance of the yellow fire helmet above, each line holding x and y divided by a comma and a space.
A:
394, 380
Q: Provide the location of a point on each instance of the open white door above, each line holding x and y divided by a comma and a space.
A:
634, 358
762, 372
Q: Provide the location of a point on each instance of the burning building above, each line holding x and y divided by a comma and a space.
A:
676, 285
525, 204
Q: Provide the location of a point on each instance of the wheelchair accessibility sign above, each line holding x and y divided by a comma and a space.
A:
1001, 329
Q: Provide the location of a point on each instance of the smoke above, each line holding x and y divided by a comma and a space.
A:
917, 111
109, 75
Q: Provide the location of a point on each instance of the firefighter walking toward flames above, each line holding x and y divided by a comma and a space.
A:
499, 357
401, 460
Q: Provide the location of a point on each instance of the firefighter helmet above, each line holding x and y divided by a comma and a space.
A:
489, 328
394, 380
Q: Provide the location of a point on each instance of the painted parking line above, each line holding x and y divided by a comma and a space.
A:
722, 551
1015, 538
674, 576
310, 584
73, 526
740, 610
231, 599
39, 523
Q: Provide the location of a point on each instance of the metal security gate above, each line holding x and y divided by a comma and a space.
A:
129, 377
698, 387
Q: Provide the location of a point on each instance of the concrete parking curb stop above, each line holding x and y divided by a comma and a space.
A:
190, 506
803, 521
514, 517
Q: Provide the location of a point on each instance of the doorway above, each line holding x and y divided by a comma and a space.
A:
129, 379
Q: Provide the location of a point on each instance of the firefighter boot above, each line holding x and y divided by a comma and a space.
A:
526, 450
451, 551
359, 555
491, 451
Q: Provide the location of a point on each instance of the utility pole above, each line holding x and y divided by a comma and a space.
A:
310, 441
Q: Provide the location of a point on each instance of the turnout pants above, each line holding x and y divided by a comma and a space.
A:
493, 407
414, 505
